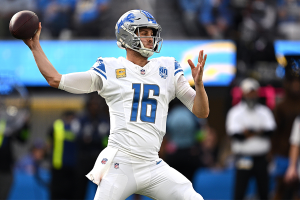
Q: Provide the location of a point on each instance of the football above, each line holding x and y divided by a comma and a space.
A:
24, 24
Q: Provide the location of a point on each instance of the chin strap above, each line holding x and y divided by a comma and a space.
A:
144, 52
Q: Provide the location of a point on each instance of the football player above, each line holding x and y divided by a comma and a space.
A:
138, 92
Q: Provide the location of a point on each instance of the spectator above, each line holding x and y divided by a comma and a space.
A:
257, 32
250, 124
62, 139
57, 17
190, 10
292, 173
288, 13
215, 17
208, 147
10, 132
30, 163
87, 17
92, 139
285, 113
181, 130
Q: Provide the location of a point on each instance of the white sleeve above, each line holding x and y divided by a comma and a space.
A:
185, 93
295, 134
81, 82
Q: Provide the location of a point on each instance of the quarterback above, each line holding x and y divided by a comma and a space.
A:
138, 92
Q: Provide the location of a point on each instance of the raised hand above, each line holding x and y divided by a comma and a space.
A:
35, 39
197, 72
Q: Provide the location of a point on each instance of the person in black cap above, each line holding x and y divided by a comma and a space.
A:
250, 125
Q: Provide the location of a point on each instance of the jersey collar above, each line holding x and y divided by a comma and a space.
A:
138, 69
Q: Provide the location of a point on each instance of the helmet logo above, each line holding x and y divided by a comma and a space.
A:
129, 18
149, 17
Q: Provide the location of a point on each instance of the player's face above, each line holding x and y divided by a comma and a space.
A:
146, 37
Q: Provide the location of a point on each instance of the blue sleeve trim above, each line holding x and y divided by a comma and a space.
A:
178, 71
95, 69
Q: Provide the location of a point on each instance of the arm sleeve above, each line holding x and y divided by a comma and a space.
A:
185, 93
81, 82
295, 134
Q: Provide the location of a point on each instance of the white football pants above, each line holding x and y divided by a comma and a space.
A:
155, 179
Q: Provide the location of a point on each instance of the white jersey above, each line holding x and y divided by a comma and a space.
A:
240, 118
138, 100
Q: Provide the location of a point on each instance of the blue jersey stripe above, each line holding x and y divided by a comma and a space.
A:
101, 65
97, 70
178, 71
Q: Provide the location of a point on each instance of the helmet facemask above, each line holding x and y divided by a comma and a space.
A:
137, 44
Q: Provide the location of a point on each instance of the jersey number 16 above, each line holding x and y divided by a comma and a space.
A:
146, 100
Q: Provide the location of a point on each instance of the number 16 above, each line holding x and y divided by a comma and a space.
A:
145, 101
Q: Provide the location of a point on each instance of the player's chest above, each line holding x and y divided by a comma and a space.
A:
154, 83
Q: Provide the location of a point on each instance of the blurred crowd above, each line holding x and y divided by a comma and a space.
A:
61, 19
258, 21
247, 20
69, 151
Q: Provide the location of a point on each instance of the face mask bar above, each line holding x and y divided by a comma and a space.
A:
157, 40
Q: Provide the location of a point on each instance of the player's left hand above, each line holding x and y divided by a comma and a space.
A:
197, 72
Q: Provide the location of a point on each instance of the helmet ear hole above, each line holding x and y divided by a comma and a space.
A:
120, 45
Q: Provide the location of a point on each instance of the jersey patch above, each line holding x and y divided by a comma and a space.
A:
163, 72
117, 165
121, 73
104, 160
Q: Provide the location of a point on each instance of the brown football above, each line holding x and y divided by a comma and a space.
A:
24, 24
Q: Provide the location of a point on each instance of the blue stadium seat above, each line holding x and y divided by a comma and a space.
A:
218, 184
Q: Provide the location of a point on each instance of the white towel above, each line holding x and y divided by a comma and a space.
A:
102, 164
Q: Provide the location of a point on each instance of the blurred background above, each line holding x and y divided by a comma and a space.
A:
49, 139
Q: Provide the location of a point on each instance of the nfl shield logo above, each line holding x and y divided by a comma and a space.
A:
104, 160
116, 165
163, 72
143, 71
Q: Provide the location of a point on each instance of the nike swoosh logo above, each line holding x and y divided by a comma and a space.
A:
137, 19
158, 162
